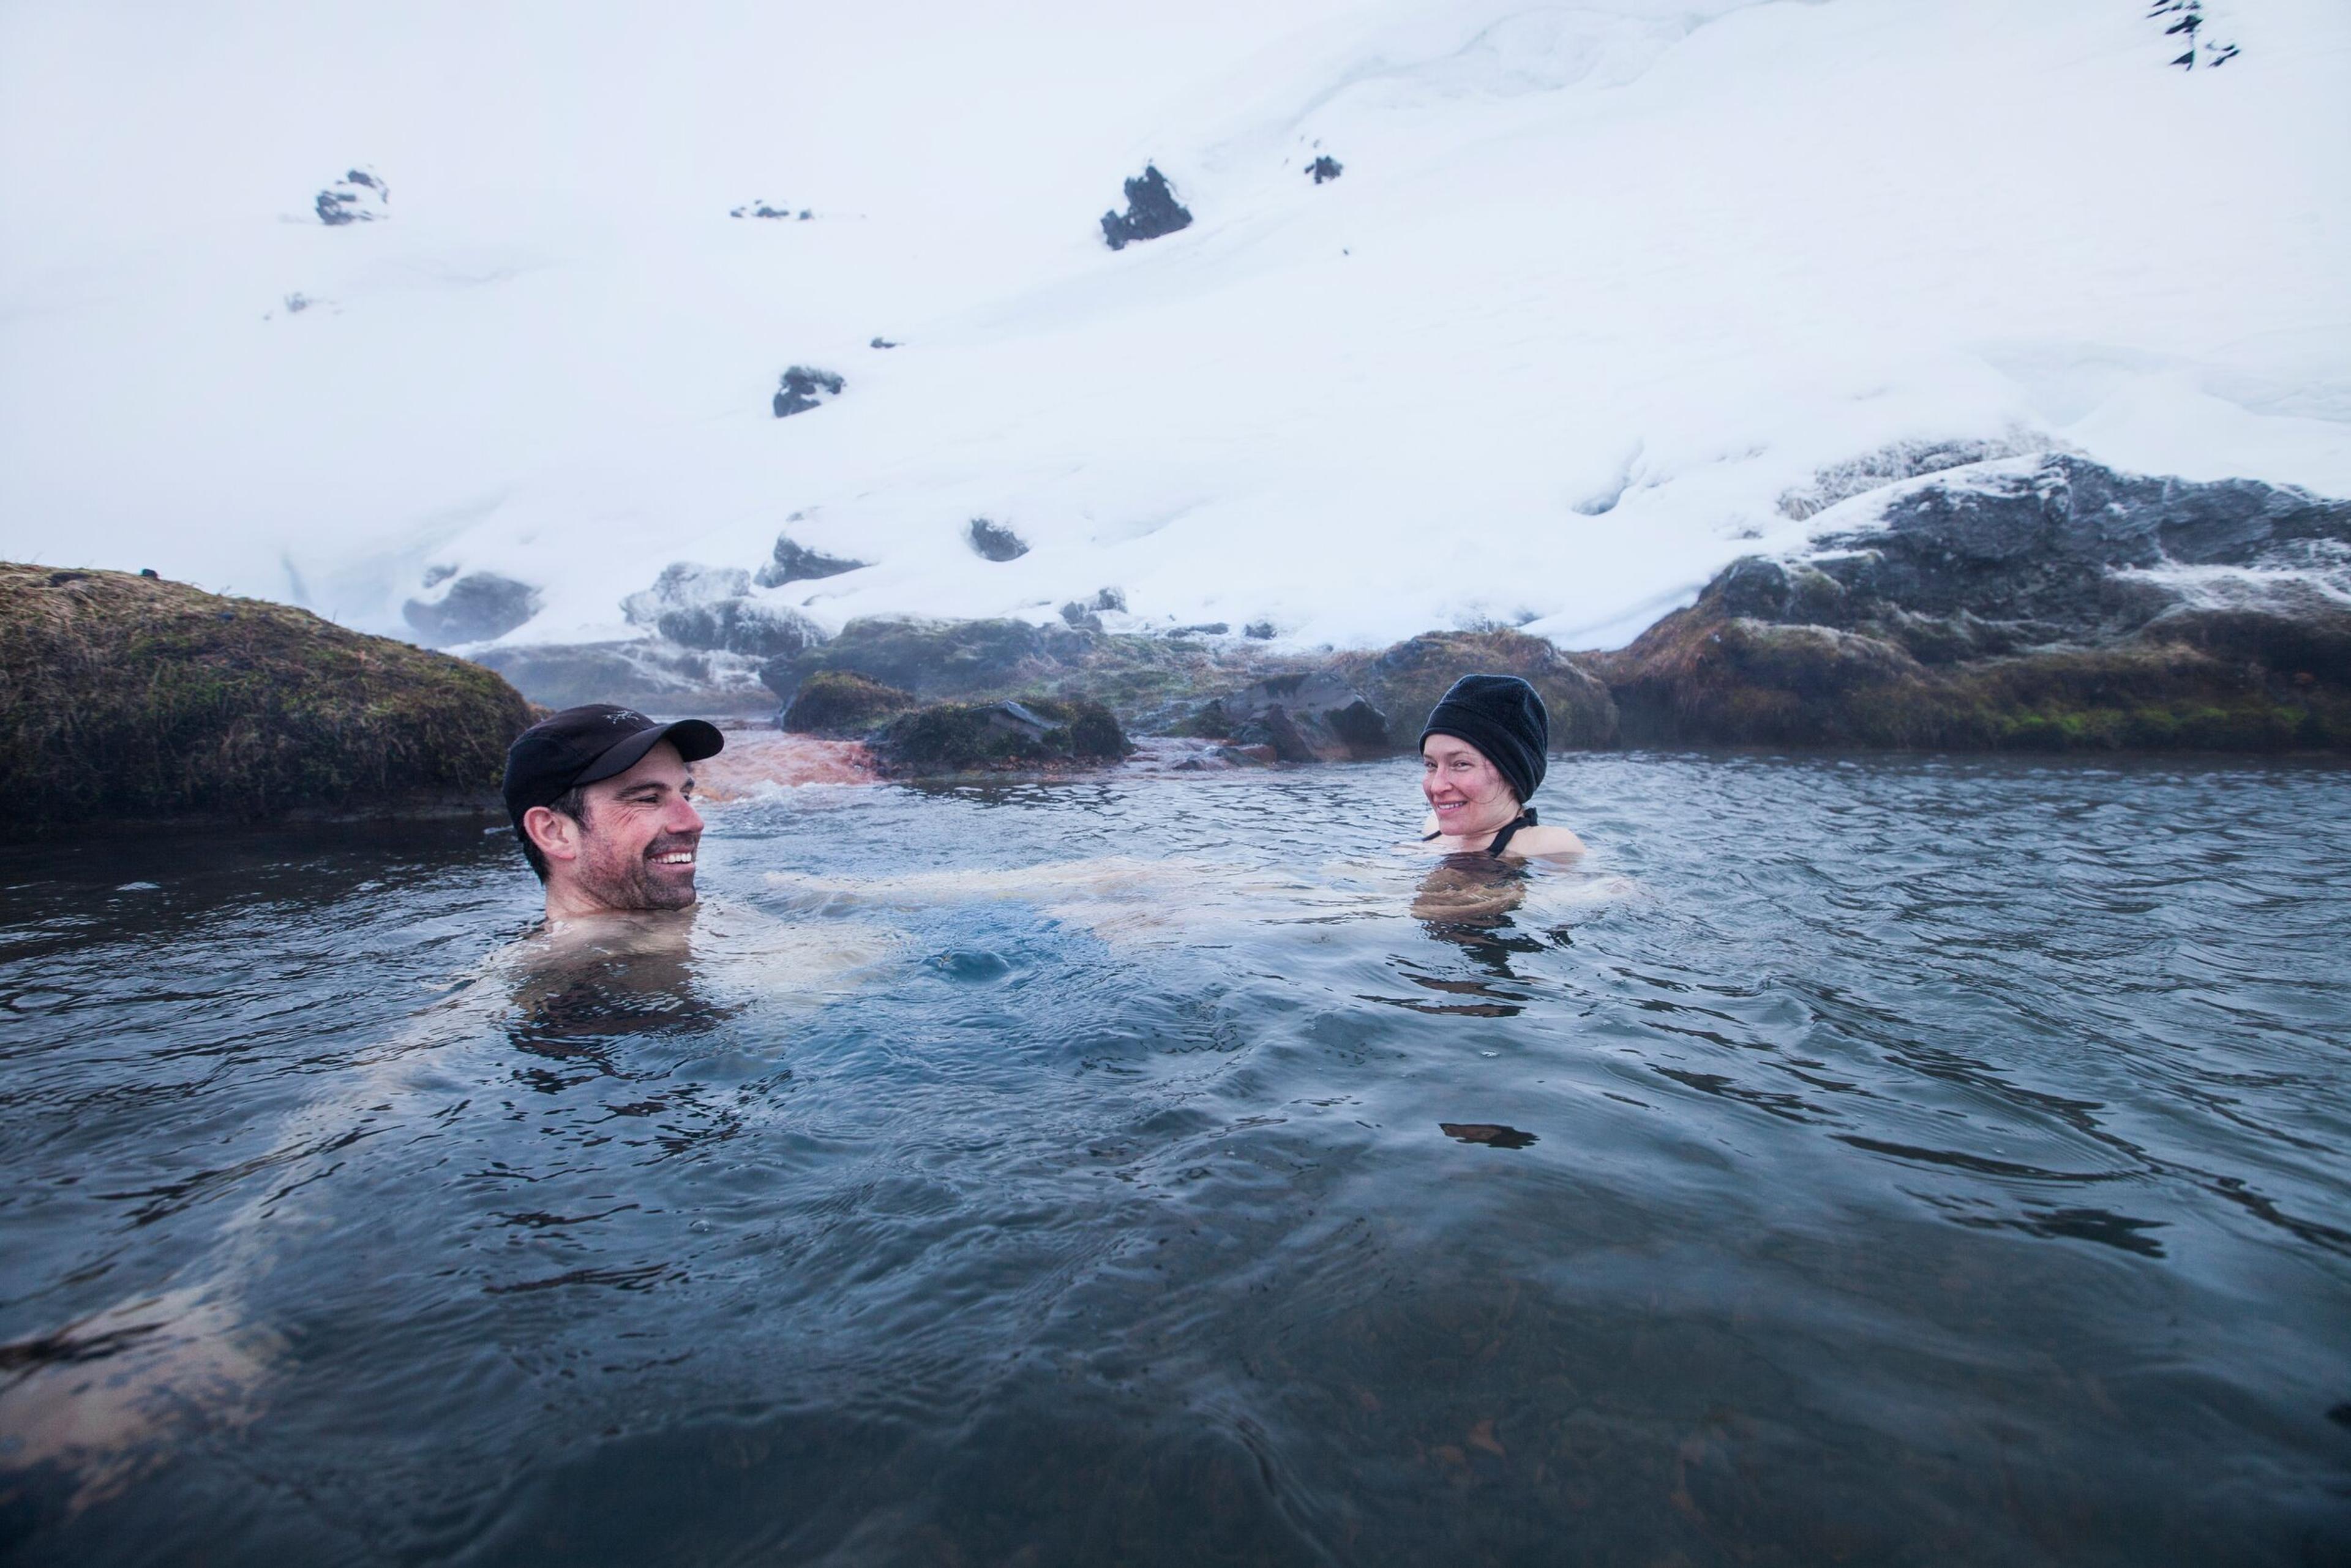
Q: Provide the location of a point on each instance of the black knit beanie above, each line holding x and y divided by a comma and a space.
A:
1502, 717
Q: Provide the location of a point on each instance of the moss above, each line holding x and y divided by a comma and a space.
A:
1038, 732
836, 702
131, 698
1699, 676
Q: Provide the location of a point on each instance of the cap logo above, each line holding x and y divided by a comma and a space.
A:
619, 717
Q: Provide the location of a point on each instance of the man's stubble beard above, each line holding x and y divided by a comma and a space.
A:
620, 880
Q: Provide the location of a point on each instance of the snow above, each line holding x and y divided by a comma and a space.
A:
1599, 285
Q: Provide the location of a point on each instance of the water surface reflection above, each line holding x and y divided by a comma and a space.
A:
1903, 1161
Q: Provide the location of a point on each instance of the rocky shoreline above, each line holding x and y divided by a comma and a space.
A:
1951, 598
1964, 597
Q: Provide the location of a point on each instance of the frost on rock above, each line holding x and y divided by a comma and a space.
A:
1893, 463
1152, 209
797, 563
802, 388
360, 196
712, 609
684, 584
475, 608
994, 541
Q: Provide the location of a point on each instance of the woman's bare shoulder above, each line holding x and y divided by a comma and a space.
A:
1544, 842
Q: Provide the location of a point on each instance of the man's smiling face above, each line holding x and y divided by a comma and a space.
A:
637, 842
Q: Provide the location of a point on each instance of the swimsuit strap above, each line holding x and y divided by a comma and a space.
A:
1525, 818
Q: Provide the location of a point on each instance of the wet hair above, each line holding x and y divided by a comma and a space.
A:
572, 804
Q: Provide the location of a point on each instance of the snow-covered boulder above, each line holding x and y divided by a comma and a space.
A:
802, 388
360, 196
796, 563
472, 608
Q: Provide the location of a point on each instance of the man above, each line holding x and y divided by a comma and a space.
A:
603, 803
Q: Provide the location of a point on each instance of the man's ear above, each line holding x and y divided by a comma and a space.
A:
557, 835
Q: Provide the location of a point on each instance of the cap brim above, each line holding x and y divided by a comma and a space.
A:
694, 739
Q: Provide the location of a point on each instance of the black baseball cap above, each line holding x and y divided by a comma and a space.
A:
582, 745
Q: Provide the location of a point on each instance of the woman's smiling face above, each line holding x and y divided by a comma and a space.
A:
1467, 793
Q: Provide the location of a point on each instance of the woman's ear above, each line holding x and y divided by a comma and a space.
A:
557, 835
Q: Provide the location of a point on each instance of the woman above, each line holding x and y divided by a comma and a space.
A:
1482, 754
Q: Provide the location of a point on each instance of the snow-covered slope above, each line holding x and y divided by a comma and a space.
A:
1600, 283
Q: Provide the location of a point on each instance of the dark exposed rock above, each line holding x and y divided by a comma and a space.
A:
750, 626
1086, 614
803, 388
1893, 463
837, 703
1152, 209
128, 697
1307, 717
935, 659
795, 563
475, 607
360, 196
1263, 631
994, 541
760, 210
1203, 628
2043, 603
881, 343
1037, 731
649, 674
1406, 679
1325, 168
711, 609
682, 585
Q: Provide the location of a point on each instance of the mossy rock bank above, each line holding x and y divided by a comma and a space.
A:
2040, 603
129, 698
1038, 733
837, 703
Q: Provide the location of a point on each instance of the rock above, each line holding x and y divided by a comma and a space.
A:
994, 541
360, 196
683, 585
1406, 680
475, 608
1891, 465
1203, 628
712, 609
649, 674
758, 628
1086, 614
760, 210
126, 698
803, 388
934, 659
881, 343
1325, 168
837, 703
1039, 731
1313, 718
2038, 602
794, 563
1263, 631
1152, 211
